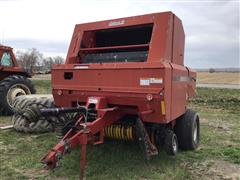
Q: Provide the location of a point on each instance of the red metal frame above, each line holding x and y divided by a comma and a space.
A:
86, 133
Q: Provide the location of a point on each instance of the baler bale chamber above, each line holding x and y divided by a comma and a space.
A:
126, 80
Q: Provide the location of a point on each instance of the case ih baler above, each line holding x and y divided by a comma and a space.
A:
126, 80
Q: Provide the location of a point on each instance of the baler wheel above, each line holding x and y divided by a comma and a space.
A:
12, 87
26, 116
171, 143
188, 130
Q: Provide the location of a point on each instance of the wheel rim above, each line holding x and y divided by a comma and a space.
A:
195, 133
15, 91
174, 144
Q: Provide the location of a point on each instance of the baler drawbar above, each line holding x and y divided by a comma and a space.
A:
84, 132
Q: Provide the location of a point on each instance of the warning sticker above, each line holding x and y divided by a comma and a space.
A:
156, 80
149, 81
92, 100
144, 82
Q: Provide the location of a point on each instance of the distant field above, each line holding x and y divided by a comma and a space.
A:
42, 77
202, 78
218, 78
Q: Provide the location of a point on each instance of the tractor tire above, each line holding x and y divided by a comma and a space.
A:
12, 87
23, 125
64, 123
27, 117
187, 129
171, 143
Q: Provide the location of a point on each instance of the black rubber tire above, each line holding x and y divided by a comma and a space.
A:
27, 116
5, 86
185, 128
32, 109
20, 103
64, 123
171, 143
21, 124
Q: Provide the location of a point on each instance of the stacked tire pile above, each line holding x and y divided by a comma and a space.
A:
27, 117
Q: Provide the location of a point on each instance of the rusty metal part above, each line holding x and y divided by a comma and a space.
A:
148, 147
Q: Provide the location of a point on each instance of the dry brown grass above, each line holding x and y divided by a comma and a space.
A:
218, 78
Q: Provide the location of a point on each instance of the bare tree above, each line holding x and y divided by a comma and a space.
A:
32, 60
29, 59
49, 61
58, 60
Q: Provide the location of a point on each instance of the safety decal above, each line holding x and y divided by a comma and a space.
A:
149, 81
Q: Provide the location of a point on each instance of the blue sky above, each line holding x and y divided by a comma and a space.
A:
211, 27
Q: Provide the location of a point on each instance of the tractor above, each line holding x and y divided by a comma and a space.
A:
124, 79
13, 80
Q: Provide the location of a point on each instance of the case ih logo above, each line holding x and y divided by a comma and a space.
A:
116, 23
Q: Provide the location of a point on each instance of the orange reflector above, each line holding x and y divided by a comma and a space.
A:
149, 97
163, 107
59, 92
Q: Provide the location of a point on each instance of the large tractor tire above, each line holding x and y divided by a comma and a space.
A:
188, 130
12, 87
27, 117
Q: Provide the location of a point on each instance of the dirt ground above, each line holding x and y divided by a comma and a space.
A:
214, 169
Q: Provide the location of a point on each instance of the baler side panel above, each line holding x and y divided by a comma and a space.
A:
178, 42
192, 84
179, 90
161, 43
72, 55
168, 91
